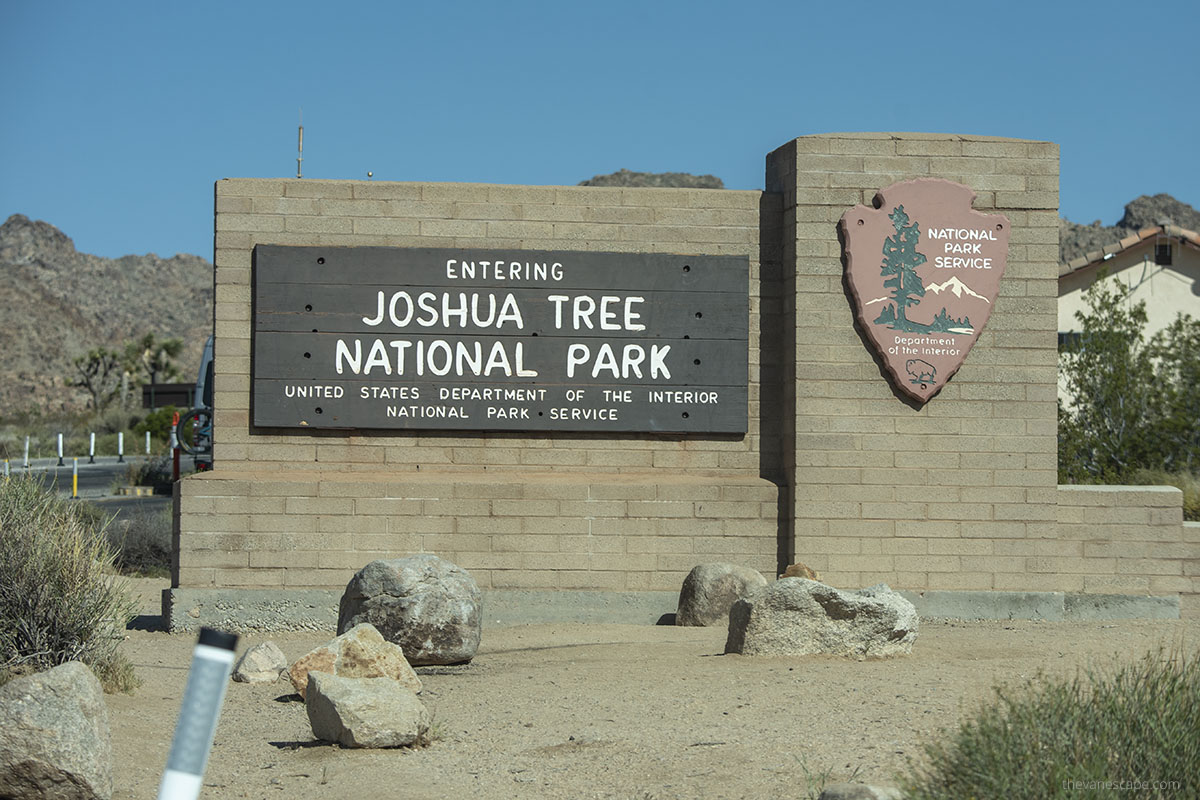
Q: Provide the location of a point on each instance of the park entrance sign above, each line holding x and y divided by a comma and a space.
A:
446, 339
924, 271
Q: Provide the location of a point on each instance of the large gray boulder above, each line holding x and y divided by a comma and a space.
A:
54, 736
364, 712
430, 607
797, 616
360, 652
710, 590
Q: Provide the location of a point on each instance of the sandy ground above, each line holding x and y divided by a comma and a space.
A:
613, 711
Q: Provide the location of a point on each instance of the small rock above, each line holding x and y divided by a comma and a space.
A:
429, 606
262, 663
710, 590
859, 791
360, 652
800, 570
364, 712
54, 736
797, 616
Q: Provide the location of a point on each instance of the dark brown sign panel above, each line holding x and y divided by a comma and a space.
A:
924, 270
449, 339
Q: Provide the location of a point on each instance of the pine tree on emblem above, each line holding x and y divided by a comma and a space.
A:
900, 260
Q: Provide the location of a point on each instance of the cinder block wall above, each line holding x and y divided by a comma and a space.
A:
624, 512
959, 493
1124, 540
837, 470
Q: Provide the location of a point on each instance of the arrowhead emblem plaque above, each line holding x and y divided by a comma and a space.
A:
924, 271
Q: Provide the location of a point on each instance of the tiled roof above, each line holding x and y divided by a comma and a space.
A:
1097, 256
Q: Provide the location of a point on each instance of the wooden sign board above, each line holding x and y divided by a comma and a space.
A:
449, 339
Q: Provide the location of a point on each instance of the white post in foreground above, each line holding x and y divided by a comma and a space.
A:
121, 447
25, 463
201, 709
91, 448
60, 461
147, 443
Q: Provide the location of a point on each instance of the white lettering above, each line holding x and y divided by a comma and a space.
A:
425, 301
379, 317
377, 358
342, 354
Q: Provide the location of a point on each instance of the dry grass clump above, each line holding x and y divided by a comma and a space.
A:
1130, 732
59, 601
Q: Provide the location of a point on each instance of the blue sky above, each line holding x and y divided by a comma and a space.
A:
120, 116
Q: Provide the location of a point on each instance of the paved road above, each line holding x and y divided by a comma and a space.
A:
96, 481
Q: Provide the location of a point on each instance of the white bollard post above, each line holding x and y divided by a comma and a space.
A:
60, 461
147, 444
121, 447
91, 448
26, 461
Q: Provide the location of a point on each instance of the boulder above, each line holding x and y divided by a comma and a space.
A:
54, 736
797, 616
428, 606
364, 712
710, 590
360, 652
262, 663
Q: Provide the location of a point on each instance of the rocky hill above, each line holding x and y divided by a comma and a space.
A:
1146, 211
58, 303
668, 180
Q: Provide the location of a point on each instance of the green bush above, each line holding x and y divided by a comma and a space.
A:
58, 598
1133, 400
1091, 736
160, 423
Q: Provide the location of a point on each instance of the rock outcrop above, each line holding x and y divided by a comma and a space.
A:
710, 590
54, 736
430, 607
364, 712
360, 652
797, 616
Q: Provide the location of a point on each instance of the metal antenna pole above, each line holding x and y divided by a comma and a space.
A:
300, 147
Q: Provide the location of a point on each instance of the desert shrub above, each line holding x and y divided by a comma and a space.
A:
143, 543
1133, 399
156, 472
58, 599
1091, 736
160, 423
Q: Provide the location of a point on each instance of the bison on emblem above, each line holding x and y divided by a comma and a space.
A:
921, 371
